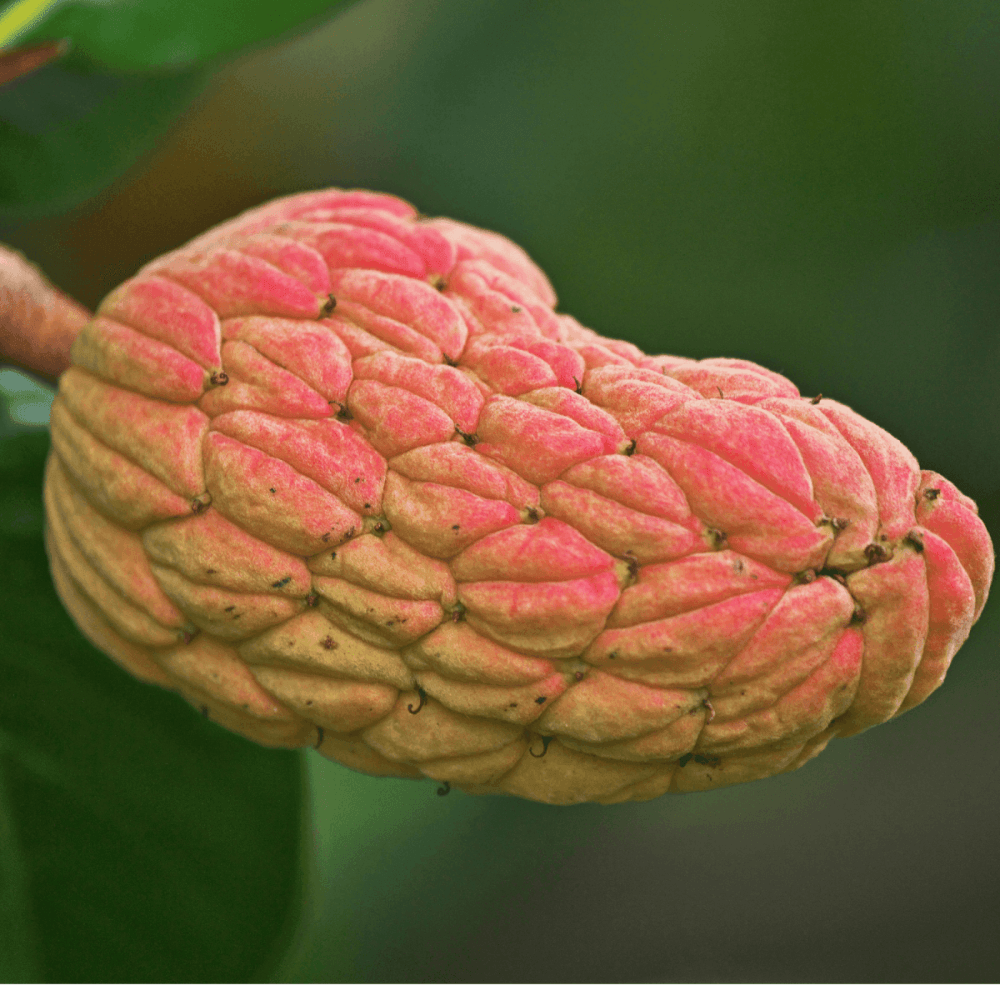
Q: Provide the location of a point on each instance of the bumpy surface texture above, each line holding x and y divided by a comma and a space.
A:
342, 477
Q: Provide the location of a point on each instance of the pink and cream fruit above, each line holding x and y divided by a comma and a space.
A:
343, 477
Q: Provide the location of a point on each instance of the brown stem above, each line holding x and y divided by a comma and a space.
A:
38, 323
15, 63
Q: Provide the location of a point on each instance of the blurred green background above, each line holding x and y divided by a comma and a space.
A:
811, 186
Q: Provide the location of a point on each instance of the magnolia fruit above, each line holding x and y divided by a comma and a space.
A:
341, 476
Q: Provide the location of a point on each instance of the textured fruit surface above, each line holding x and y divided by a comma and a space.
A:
341, 476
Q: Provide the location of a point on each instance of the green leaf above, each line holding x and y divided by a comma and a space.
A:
25, 403
66, 132
70, 128
137, 35
138, 842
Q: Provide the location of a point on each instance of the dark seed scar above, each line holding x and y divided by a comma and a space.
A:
423, 701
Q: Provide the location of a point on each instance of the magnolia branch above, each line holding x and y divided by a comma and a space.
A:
38, 323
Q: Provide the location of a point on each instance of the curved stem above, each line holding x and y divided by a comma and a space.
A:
38, 323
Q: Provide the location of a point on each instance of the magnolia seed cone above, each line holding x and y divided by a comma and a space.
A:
342, 477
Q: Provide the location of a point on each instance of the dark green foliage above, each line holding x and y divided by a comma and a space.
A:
71, 127
129, 36
65, 132
138, 842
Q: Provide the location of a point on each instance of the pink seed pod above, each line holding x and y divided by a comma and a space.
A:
342, 477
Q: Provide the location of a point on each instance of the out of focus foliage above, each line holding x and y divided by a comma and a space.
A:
137, 844
134, 65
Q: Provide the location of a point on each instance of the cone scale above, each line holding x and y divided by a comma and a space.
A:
342, 477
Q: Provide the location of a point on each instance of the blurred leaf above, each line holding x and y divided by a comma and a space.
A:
136, 35
137, 841
68, 129
65, 133
24, 402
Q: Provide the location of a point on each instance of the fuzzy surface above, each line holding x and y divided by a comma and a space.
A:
343, 477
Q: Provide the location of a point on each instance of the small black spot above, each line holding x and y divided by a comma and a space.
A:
455, 527
326, 538
613, 655
513, 704
368, 506
273, 490
309, 702
281, 582
232, 607
685, 760
541, 699
210, 571
358, 480
515, 309
579, 675
329, 643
